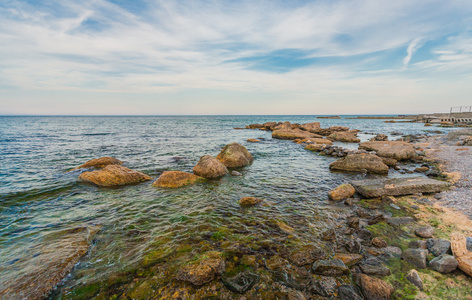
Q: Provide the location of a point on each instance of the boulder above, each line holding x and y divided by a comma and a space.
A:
174, 179
283, 126
341, 192
310, 127
416, 257
349, 259
314, 147
328, 235
379, 242
414, 277
425, 232
462, 255
443, 264
293, 134
372, 188
374, 266
349, 292
333, 267
389, 161
306, 255
361, 162
100, 163
343, 136
113, 175
341, 128
324, 286
204, 271
249, 201
392, 149
254, 126
353, 246
235, 155
438, 246
209, 167
242, 282
374, 288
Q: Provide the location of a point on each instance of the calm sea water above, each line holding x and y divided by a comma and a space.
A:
39, 197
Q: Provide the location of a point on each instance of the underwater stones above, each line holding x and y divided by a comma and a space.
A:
343, 136
113, 175
374, 288
235, 155
379, 242
414, 277
438, 246
361, 162
341, 192
444, 263
253, 140
204, 271
462, 255
392, 149
333, 267
348, 259
249, 201
175, 179
374, 266
348, 292
241, 283
416, 257
425, 232
100, 163
306, 255
209, 167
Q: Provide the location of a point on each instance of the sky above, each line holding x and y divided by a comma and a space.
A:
322, 57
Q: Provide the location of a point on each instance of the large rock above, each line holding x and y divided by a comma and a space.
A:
374, 266
209, 167
361, 162
204, 271
398, 186
374, 288
235, 155
416, 257
306, 255
100, 163
348, 292
391, 149
343, 136
414, 277
174, 179
311, 127
43, 267
438, 246
462, 255
425, 232
443, 264
341, 192
113, 175
333, 267
315, 147
293, 134
348, 259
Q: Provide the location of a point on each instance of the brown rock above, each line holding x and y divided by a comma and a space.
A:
310, 127
339, 128
317, 141
374, 288
314, 147
380, 137
293, 134
379, 242
342, 192
392, 149
389, 161
462, 255
249, 201
204, 271
100, 163
113, 175
235, 155
362, 162
306, 255
174, 179
209, 167
343, 136
348, 259
421, 169
284, 126
253, 140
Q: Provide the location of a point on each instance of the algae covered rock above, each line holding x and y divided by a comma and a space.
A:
341, 192
204, 271
306, 255
361, 162
416, 257
349, 259
113, 175
209, 167
374, 288
235, 155
174, 179
444, 263
100, 163
414, 277
242, 282
392, 149
249, 201
333, 267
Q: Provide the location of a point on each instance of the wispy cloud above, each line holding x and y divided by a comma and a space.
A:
414, 45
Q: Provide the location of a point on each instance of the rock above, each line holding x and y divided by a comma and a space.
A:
283, 126
249, 201
296, 295
374, 266
372, 188
421, 169
469, 243
389, 161
249, 260
174, 179
380, 137
100, 163
254, 126
379, 242
319, 141
293, 134
235, 155
328, 235
361, 162
353, 222
400, 221
314, 147
241, 283
333, 267
113, 175
277, 263
204, 271
325, 286
306, 255
348, 259
341, 128
311, 127
209, 167
438, 246
365, 236
253, 140
415, 279
376, 219
421, 244
392, 149
374, 288
444, 263
393, 252
47, 264
348, 292
416, 257
353, 246
236, 173
343, 136
462, 255
425, 232
341, 192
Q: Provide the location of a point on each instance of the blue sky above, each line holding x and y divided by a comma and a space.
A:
234, 57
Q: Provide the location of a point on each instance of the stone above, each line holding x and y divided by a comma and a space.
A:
349, 292
314, 147
333, 267
353, 246
348, 259
422, 169
365, 236
421, 244
380, 137
341, 192
235, 155
249, 201
293, 134
277, 263
343, 136
306, 255
209, 167
414, 277
438, 246
372, 188
400, 221
311, 127
253, 140
241, 283
113, 175
374, 266
204, 271
249, 260
379, 242
393, 252
389, 161
416, 257
328, 235
236, 173
462, 255
100, 163
376, 219
392, 149
361, 162
318, 141
469, 243
296, 295
174, 179
353, 222
444, 264
374, 288
425, 232
325, 286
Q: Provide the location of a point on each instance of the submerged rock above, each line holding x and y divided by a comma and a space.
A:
414, 277
361, 162
374, 288
204, 271
241, 283
209, 167
174, 179
236, 173
113, 175
100, 163
341, 192
392, 149
462, 255
235, 155
253, 140
444, 263
333, 267
249, 201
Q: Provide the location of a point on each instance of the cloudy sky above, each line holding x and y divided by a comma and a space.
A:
234, 57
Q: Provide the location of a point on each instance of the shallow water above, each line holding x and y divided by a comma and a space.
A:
141, 223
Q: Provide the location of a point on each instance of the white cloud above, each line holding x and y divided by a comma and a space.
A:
412, 48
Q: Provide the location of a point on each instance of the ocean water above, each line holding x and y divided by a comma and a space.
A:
141, 224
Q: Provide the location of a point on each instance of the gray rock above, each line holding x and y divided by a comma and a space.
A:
333, 267
438, 246
374, 266
236, 173
416, 257
372, 188
421, 244
469, 243
349, 292
424, 201
353, 246
443, 264
425, 232
394, 252
241, 283
328, 235
399, 221
415, 279
365, 236
325, 287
